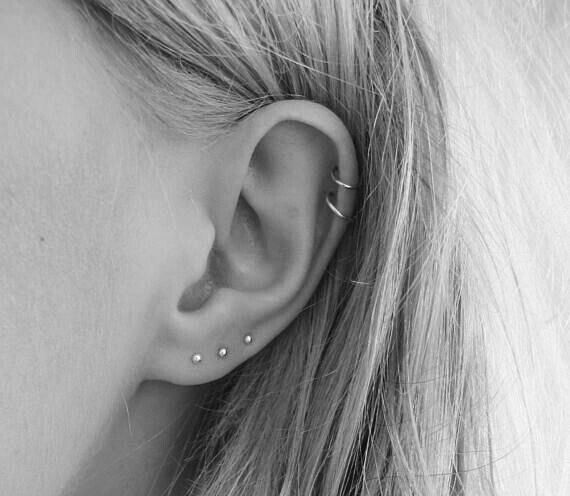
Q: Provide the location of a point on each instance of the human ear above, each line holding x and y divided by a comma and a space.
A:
272, 234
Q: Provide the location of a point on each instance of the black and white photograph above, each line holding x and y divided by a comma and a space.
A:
284, 247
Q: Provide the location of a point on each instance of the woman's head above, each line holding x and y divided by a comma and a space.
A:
166, 168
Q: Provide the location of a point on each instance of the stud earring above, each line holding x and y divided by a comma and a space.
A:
247, 339
196, 358
222, 353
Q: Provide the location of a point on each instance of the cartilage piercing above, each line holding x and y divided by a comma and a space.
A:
334, 209
342, 184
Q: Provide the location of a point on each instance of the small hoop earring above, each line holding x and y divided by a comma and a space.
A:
335, 210
342, 184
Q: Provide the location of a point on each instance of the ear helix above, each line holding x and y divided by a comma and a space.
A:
341, 184
223, 351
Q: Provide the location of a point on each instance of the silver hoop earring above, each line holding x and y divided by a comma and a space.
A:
342, 184
335, 210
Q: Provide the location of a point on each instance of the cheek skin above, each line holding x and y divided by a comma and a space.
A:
68, 157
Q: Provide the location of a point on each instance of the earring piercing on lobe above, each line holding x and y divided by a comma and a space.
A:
222, 352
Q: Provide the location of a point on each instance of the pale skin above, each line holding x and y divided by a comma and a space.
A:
107, 221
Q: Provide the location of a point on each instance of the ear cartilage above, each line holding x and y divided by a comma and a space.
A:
196, 358
342, 184
334, 209
247, 339
222, 352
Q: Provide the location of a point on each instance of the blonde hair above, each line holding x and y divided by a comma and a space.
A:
386, 382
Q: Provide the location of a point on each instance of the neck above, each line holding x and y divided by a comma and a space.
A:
142, 449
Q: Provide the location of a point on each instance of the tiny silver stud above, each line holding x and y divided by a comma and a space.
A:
196, 358
247, 339
223, 352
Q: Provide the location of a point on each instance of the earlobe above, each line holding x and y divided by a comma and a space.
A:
292, 174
